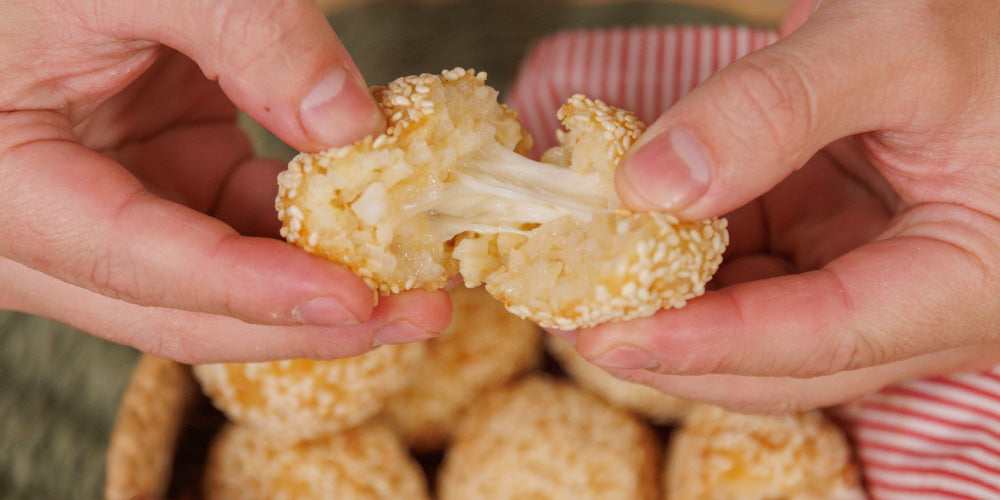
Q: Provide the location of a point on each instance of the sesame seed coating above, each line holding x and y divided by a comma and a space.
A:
484, 346
616, 267
445, 191
300, 399
368, 462
720, 454
544, 439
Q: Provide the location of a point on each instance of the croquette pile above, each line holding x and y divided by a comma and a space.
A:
446, 192
501, 424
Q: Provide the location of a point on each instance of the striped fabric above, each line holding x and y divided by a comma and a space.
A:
642, 69
928, 439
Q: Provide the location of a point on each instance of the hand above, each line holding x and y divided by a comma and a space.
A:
859, 157
133, 207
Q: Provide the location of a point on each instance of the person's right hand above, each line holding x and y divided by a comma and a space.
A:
132, 206
858, 161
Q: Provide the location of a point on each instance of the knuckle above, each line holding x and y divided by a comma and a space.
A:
114, 270
180, 347
858, 351
235, 22
168, 334
849, 350
114, 275
169, 344
843, 345
343, 343
775, 91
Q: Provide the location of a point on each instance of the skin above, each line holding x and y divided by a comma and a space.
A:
134, 208
864, 237
857, 160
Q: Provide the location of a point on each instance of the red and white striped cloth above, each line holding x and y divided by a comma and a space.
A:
921, 440
644, 70
937, 438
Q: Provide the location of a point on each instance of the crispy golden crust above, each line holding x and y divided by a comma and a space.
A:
299, 399
541, 438
650, 403
445, 191
483, 347
618, 266
720, 455
364, 463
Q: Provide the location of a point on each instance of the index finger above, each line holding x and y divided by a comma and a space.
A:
918, 292
77, 215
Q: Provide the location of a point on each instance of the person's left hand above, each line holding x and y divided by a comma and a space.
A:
132, 205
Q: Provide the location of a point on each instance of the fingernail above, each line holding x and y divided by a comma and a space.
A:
399, 332
626, 357
324, 311
339, 110
670, 171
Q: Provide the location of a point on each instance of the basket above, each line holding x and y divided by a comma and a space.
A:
162, 429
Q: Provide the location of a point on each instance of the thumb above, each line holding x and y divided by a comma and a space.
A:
754, 122
279, 61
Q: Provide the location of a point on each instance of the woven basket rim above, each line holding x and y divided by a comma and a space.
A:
144, 437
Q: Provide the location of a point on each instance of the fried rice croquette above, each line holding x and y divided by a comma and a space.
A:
718, 454
483, 347
446, 191
543, 438
301, 399
368, 462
